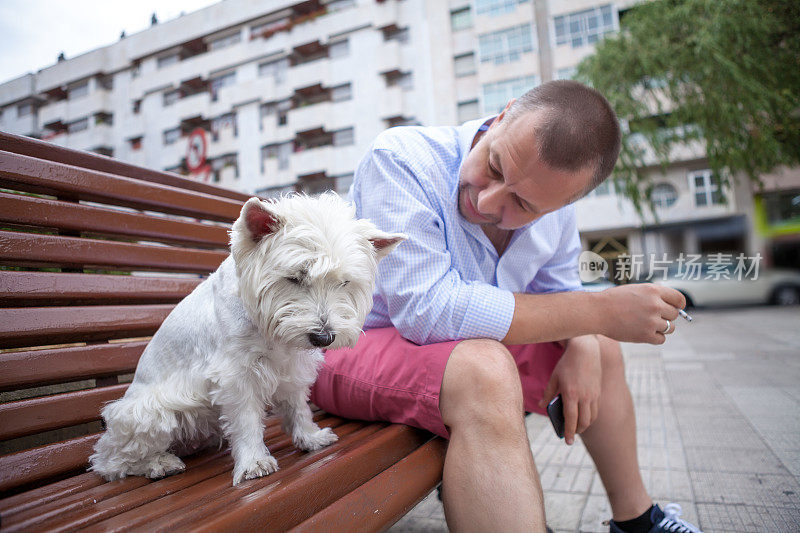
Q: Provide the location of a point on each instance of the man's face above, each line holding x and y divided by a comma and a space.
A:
504, 184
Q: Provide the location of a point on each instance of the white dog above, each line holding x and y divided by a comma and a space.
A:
300, 277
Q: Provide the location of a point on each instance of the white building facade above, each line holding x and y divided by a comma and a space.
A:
291, 93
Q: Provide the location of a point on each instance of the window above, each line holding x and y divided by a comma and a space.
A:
223, 42
77, 91
604, 189
221, 81
461, 19
496, 95
276, 68
344, 137
496, 7
393, 33
664, 195
135, 143
171, 59
340, 93
396, 78
705, 188
171, 136
339, 49
226, 121
782, 206
24, 110
506, 45
584, 27
468, 111
342, 183
279, 151
565, 73
464, 65
337, 5
170, 97
78, 125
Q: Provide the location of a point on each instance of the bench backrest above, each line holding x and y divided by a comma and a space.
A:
94, 253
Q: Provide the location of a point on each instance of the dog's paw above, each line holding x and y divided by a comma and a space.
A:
164, 464
316, 440
257, 467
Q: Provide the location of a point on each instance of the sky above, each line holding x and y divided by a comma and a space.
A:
34, 32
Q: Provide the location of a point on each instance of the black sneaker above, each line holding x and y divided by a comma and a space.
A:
666, 521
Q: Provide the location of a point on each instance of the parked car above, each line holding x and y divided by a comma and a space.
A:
722, 285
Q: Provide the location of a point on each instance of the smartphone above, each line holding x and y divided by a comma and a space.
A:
555, 410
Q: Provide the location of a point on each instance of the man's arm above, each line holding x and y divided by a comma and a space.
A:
630, 313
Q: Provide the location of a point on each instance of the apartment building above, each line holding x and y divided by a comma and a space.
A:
290, 94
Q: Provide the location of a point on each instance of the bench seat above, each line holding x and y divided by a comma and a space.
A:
94, 254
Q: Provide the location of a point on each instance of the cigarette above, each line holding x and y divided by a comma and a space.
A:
684, 315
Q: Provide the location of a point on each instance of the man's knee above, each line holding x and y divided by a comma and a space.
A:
480, 382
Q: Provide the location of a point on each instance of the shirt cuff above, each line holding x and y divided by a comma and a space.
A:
490, 314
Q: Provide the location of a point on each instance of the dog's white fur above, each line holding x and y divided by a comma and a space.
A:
301, 269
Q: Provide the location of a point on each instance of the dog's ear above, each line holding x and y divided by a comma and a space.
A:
259, 220
383, 243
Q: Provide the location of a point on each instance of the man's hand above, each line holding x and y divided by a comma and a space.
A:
639, 312
577, 377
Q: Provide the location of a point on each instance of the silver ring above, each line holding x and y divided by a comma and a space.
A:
668, 326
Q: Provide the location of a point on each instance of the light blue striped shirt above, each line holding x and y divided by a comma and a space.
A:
446, 282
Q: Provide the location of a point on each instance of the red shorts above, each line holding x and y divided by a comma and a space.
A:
386, 377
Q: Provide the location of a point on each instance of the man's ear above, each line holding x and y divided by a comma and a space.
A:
383, 243
259, 219
502, 114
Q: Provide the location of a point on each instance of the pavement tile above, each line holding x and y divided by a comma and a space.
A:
719, 518
746, 489
563, 510
733, 460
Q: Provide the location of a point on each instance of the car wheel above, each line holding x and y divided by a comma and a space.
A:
786, 296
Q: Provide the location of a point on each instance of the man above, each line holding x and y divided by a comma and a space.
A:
479, 316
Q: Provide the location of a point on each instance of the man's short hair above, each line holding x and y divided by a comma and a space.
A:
579, 128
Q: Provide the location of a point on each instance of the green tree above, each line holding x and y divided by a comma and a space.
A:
726, 72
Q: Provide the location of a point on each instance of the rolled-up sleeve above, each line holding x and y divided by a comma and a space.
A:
425, 298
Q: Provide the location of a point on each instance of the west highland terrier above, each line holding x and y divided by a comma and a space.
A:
300, 277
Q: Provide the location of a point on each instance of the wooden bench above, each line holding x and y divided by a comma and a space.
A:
94, 253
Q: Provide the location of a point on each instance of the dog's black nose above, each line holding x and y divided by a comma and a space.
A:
321, 338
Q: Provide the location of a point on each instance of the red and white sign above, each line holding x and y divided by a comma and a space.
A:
197, 150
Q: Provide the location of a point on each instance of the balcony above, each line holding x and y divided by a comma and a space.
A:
93, 138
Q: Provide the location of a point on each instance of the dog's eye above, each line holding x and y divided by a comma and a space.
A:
345, 282
294, 280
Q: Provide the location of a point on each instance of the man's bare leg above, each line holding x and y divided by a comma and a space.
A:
611, 439
490, 480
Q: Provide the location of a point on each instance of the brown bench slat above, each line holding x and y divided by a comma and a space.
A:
66, 491
115, 502
52, 152
26, 417
25, 289
38, 249
28, 210
384, 499
304, 494
39, 326
60, 365
44, 462
168, 512
74, 183
73, 489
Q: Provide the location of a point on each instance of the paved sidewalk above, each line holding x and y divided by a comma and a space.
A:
718, 414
